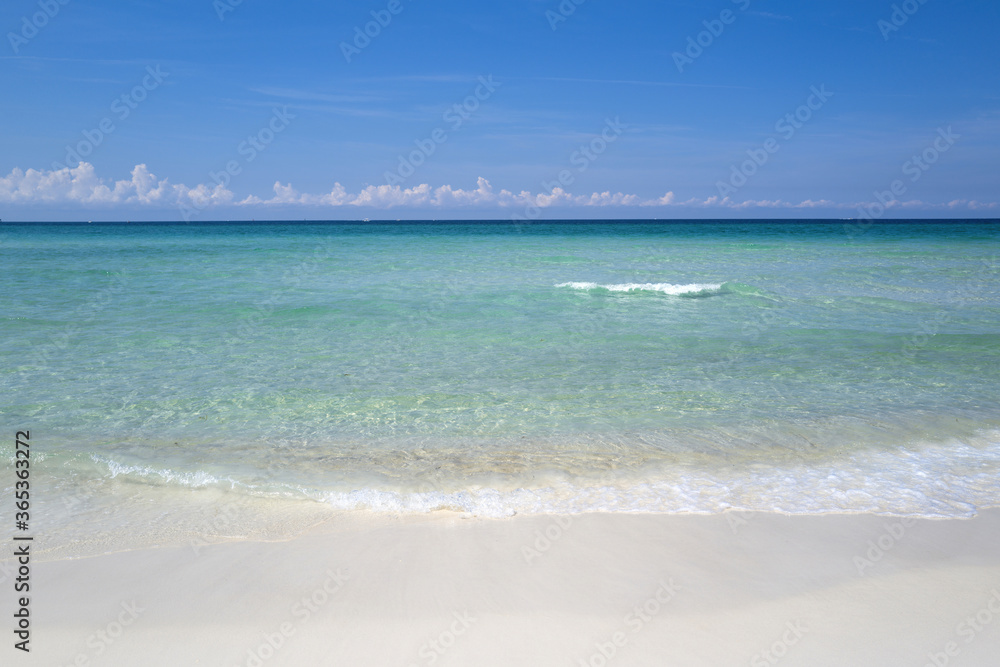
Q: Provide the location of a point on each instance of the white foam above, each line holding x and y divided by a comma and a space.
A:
665, 288
946, 479
197, 478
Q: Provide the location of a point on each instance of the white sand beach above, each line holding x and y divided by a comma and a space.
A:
362, 589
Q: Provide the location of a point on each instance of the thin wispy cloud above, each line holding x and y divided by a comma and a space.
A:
87, 61
632, 82
418, 78
771, 15
313, 96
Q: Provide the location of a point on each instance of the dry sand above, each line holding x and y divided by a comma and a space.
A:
359, 590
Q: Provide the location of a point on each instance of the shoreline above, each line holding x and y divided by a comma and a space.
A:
625, 589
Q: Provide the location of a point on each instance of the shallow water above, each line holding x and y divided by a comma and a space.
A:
497, 369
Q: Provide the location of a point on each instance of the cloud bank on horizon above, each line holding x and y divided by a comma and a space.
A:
83, 186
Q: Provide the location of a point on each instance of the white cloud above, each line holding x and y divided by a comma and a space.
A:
82, 185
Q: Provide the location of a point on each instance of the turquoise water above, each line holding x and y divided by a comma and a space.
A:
500, 369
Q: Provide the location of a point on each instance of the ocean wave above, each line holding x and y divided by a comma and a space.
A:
894, 483
195, 479
692, 289
945, 479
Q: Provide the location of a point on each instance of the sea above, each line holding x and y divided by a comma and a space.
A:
185, 382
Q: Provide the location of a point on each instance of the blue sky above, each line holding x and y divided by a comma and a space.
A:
253, 110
